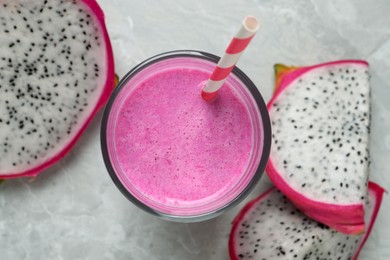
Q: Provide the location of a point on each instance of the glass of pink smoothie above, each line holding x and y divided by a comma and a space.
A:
172, 153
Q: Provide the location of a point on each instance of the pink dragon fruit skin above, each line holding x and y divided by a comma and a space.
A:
347, 219
257, 234
105, 87
344, 217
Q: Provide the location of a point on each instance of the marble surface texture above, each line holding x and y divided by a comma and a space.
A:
73, 211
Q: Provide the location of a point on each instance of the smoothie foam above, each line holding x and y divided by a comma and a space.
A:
173, 151
177, 148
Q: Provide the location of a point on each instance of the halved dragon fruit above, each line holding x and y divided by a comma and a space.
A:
56, 71
320, 118
271, 227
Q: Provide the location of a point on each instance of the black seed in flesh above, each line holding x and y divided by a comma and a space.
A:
37, 68
324, 134
300, 237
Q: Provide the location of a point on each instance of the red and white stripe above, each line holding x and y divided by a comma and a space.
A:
237, 46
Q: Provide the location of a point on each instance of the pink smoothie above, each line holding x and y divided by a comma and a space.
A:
175, 148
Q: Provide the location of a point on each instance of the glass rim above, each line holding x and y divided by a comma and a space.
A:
264, 116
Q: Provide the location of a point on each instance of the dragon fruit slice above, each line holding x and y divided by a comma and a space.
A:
271, 227
56, 71
320, 118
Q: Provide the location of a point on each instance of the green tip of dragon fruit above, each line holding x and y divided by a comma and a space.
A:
320, 118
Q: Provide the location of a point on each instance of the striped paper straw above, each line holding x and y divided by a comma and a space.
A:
237, 46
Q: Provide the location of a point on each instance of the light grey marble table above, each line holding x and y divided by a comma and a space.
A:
73, 210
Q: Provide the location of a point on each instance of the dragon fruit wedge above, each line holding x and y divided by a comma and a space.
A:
319, 158
271, 227
56, 71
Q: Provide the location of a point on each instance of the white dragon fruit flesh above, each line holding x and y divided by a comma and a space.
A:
56, 71
271, 227
319, 158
